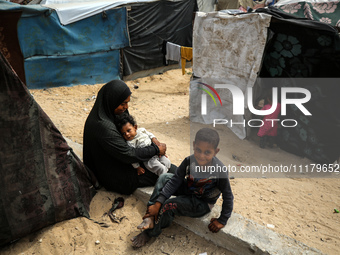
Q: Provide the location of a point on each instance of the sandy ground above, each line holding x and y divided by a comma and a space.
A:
301, 208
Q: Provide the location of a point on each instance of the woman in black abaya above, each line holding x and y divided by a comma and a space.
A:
106, 152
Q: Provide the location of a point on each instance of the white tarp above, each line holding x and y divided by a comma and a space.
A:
227, 49
70, 11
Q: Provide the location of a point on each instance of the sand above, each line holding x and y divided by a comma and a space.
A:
302, 208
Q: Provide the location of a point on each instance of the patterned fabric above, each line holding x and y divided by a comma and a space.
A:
324, 11
41, 180
309, 50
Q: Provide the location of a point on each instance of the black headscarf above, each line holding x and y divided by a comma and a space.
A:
110, 96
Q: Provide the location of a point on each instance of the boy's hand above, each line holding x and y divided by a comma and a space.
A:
214, 225
140, 170
153, 211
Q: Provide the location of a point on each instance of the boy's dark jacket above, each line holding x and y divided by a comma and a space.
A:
206, 185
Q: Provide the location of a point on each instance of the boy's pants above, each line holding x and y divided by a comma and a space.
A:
183, 205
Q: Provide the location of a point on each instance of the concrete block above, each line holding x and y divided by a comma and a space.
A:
240, 235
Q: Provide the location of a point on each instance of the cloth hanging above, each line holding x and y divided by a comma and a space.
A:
186, 54
173, 52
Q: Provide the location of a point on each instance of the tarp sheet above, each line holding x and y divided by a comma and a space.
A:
41, 180
45, 36
91, 68
326, 11
151, 24
225, 52
71, 11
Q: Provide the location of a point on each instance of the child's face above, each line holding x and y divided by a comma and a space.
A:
129, 131
204, 152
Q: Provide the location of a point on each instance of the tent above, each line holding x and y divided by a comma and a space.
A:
62, 43
85, 52
286, 48
152, 24
41, 180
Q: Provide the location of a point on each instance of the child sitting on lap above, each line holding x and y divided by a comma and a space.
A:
139, 138
195, 188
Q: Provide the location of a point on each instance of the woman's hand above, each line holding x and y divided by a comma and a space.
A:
162, 149
155, 141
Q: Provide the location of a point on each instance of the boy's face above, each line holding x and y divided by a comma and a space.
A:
129, 131
204, 152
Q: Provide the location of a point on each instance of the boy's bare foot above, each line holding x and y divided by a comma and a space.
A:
147, 223
140, 240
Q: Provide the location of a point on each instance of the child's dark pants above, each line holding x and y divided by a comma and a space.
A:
183, 205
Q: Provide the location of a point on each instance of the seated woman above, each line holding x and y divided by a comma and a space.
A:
106, 152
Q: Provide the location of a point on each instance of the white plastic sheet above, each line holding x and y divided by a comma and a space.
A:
74, 10
227, 49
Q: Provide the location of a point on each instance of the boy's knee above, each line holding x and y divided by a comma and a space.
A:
165, 177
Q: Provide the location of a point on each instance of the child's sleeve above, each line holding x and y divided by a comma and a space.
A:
135, 165
150, 135
174, 183
228, 200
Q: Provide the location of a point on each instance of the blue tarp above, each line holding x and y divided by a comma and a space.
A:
84, 52
44, 35
90, 68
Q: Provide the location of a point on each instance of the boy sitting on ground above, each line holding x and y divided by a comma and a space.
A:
140, 138
195, 188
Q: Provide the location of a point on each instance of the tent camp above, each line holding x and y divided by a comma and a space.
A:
41, 180
245, 51
62, 43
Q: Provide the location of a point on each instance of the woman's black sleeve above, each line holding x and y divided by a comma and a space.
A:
143, 154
